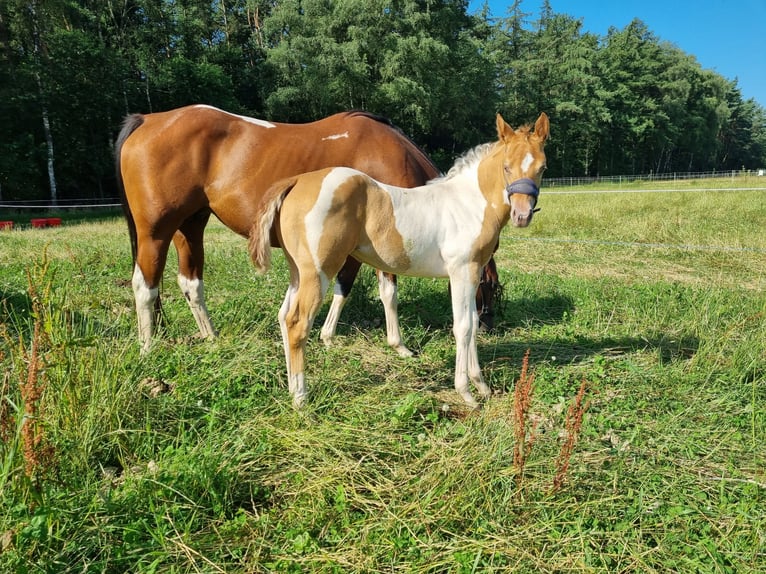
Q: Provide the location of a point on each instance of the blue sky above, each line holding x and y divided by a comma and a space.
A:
728, 36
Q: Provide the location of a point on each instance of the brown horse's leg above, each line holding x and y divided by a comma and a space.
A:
188, 241
487, 295
343, 283
151, 255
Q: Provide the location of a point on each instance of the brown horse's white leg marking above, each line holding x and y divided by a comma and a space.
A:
387, 290
145, 297
194, 292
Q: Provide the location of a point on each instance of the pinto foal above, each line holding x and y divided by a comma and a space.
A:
447, 228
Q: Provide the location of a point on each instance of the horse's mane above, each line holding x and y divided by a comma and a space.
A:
475, 155
376, 117
467, 160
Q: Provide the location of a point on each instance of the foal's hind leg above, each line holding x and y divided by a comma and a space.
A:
191, 260
343, 283
300, 307
388, 296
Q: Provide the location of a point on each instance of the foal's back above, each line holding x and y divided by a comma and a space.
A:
336, 212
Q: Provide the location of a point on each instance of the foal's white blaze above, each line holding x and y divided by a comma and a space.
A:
145, 297
527, 162
257, 122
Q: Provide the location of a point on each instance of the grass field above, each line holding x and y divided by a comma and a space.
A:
192, 459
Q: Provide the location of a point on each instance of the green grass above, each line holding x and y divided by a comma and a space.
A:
192, 459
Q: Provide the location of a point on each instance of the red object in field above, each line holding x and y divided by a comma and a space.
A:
42, 222
6, 224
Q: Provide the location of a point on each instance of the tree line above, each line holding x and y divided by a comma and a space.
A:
623, 103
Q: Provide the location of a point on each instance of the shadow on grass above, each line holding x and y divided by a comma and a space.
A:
581, 349
14, 304
432, 309
74, 325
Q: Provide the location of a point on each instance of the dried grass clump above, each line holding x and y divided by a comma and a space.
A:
524, 431
573, 424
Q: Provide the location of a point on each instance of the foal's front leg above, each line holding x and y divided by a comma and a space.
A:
465, 326
388, 296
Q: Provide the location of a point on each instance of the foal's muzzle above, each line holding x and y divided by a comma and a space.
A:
523, 186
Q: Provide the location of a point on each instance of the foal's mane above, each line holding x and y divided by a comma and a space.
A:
467, 160
475, 155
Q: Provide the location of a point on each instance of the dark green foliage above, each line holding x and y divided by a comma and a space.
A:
626, 103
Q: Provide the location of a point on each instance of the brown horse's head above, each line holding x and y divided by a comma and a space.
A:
523, 164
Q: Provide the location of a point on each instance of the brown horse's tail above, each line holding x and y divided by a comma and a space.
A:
129, 125
259, 243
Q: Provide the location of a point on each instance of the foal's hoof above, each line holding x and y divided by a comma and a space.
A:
299, 401
484, 391
469, 400
403, 351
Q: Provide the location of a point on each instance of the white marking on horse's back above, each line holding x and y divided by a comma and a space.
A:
527, 162
255, 121
336, 136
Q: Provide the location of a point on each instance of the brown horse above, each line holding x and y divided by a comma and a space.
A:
176, 168
447, 228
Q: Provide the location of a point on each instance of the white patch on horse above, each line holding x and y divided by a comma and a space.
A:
336, 136
194, 292
527, 162
257, 122
145, 297
315, 218
455, 214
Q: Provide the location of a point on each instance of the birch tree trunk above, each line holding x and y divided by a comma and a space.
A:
36, 47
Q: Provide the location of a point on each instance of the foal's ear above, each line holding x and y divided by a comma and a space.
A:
542, 127
504, 131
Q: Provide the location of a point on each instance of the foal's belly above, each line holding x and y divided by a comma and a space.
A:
416, 263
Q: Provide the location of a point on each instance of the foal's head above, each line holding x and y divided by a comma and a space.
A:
523, 164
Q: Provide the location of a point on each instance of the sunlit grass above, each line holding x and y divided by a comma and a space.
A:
191, 459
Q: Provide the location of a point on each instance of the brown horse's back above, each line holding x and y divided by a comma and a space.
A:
176, 163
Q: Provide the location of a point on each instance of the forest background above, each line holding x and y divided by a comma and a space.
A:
623, 103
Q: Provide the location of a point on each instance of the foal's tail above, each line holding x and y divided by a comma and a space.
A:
259, 243
129, 125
